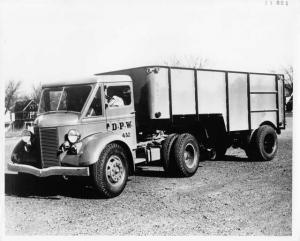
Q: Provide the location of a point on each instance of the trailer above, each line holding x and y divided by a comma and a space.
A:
105, 125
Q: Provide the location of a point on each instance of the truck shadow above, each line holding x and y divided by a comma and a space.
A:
49, 187
151, 170
78, 187
230, 158
141, 172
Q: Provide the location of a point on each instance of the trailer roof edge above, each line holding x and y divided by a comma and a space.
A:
187, 68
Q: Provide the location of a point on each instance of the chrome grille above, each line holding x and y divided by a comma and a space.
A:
49, 145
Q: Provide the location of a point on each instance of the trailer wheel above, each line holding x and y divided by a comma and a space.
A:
187, 154
263, 144
169, 164
110, 172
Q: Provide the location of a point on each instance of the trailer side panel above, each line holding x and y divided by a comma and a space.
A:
263, 97
238, 102
183, 92
212, 93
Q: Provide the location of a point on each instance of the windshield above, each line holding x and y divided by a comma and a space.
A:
64, 98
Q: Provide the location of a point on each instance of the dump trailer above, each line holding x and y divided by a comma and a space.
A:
105, 125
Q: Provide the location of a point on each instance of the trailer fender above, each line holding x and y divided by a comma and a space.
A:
93, 145
269, 123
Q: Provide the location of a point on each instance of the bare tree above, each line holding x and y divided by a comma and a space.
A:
36, 92
186, 61
289, 74
11, 90
196, 62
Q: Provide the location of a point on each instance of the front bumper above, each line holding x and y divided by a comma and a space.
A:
50, 171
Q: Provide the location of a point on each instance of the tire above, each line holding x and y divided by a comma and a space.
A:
112, 159
263, 144
220, 151
249, 146
221, 145
168, 161
187, 154
220, 141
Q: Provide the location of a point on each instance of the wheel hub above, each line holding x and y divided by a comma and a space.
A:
269, 143
190, 155
114, 169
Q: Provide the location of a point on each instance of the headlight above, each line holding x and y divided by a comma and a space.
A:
73, 136
26, 136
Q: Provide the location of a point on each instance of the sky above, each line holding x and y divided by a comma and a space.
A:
44, 41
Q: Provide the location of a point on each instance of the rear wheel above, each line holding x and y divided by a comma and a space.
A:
187, 154
219, 152
168, 161
110, 172
263, 144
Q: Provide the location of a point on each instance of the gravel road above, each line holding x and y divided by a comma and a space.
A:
229, 197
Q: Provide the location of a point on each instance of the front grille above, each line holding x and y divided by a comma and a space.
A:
48, 146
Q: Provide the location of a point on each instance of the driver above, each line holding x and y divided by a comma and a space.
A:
114, 101
118, 97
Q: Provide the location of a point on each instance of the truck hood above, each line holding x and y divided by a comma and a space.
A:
57, 119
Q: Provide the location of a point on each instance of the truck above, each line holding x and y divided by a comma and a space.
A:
105, 125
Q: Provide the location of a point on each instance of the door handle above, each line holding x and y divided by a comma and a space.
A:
133, 112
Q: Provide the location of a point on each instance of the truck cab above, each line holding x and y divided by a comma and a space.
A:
76, 121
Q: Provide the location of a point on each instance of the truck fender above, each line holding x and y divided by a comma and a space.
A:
93, 145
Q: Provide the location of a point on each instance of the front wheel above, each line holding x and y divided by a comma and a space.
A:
110, 172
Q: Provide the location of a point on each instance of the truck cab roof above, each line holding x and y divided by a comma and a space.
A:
89, 80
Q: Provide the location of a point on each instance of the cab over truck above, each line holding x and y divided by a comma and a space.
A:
104, 125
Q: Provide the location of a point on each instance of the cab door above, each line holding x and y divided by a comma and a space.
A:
119, 110
93, 117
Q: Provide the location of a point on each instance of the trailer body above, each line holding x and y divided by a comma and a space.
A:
245, 100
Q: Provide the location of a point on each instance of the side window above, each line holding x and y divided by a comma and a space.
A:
117, 96
95, 108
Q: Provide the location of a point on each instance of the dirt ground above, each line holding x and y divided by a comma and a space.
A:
229, 197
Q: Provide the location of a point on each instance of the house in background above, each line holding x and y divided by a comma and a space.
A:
25, 112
